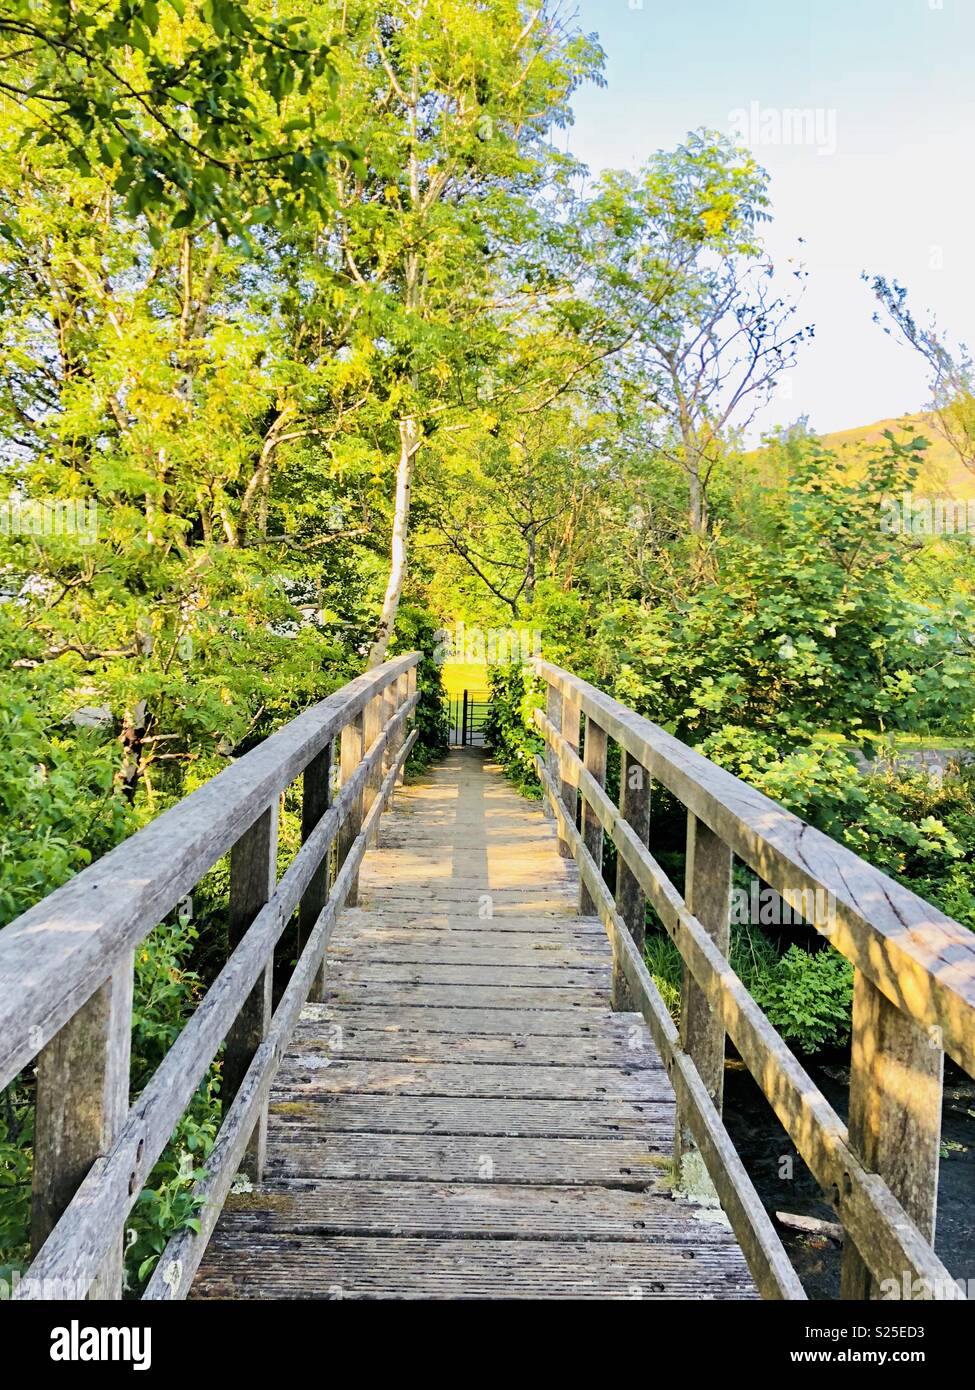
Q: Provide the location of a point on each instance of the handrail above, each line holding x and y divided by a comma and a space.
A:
881, 1174
93, 1152
54, 956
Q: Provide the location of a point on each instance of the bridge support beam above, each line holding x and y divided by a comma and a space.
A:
631, 902
707, 892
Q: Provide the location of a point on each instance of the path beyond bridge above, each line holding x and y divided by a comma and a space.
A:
463, 1116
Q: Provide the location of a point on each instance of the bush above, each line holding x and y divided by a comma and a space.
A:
509, 732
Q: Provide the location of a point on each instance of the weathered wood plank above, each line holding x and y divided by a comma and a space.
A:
307, 1075
310, 1266
491, 1210
387, 1114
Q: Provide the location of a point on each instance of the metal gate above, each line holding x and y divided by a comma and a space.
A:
468, 718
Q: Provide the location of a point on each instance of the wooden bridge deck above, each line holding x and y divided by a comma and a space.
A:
465, 1117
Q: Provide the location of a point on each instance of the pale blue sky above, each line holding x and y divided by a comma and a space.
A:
893, 83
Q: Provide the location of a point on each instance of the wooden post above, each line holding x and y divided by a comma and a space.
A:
316, 797
631, 902
372, 726
708, 896
253, 861
82, 1102
553, 709
896, 1076
571, 715
350, 757
409, 690
594, 760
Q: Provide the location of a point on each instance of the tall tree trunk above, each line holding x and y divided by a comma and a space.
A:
409, 442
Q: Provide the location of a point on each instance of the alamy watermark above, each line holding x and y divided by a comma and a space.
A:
912, 515
755, 125
495, 645
758, 906
49, 516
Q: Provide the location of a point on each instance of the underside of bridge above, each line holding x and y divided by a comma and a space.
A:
464, 1116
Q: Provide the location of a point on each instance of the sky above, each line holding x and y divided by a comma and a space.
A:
877, 179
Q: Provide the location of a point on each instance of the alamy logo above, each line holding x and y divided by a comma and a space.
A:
78, 1343
757, 125
49, 516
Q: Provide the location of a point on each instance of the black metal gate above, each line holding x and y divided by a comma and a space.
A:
468, 718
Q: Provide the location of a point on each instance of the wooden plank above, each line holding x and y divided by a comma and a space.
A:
310, 1075
385, 1114
896, 1077
922, 960
492, 1211
350, 974
477, 949
518, 997
310, 1266
441, 1018
393, 1045
620, 1162
82, 1095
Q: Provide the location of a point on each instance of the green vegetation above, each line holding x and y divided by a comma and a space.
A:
314, 342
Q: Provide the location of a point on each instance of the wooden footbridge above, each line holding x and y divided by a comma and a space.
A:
468, 1086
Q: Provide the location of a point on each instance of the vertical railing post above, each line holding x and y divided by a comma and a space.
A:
463, 723
372, 725
896, 1072
409, 690
594, 761
253, 862
350, 756
316, 797
553, 711
631, 902
707, 893
571, 715
82, 1094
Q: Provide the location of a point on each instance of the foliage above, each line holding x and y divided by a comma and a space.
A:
509, 732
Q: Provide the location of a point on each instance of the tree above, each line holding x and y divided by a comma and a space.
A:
675, 249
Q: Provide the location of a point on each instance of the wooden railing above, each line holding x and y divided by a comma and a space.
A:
913, 1000
66, 981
